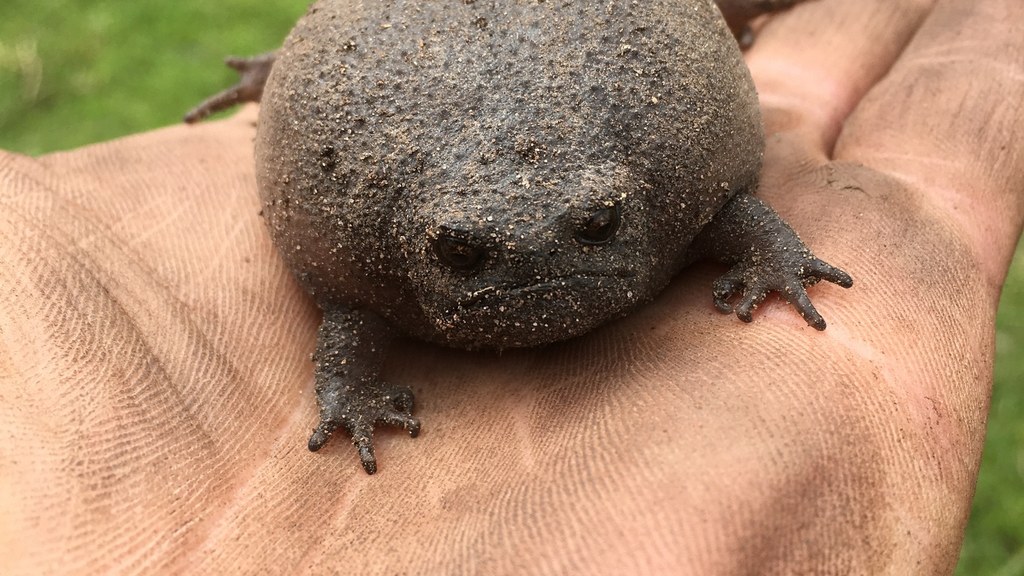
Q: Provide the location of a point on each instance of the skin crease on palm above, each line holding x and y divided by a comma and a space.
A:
156, 389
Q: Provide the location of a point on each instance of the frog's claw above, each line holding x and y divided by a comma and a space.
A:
253, 74
359, 414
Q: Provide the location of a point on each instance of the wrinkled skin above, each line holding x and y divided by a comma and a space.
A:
155, 380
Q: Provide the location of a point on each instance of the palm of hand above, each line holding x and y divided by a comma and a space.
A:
157, 385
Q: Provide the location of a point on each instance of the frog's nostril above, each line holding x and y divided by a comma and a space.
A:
458, 253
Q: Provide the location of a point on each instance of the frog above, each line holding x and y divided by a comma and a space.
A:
489, 174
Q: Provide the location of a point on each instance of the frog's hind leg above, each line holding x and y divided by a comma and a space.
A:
253, 74
739, 13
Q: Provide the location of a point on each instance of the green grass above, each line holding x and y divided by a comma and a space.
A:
74, 72
995, 535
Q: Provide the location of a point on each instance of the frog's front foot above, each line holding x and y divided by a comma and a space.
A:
766, 256
350, 350
358, 411
253, 73
788, 273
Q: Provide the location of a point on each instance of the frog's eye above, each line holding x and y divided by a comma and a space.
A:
458, 253
600, 227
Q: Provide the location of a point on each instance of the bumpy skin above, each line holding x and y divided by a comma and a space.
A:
387, 125
493, 175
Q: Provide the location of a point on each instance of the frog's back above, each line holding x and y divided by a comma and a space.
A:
379, 110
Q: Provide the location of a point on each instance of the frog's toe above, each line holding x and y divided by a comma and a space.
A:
737, 282
821, 270
401, 398
813, 271
752, 298
253, 74
795, 294
362, 439
400, 420
725, 289
321, 434
364, 445
397, 411
362, 434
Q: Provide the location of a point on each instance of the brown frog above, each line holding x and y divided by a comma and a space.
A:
496, 174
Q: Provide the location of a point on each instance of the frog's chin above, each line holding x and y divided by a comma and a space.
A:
500, 317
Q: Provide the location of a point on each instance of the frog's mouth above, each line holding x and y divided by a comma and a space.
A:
495, 294
501, 316
506, 316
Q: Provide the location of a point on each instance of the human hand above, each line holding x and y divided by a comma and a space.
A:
156, 389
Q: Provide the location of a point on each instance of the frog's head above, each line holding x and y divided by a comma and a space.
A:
530, 262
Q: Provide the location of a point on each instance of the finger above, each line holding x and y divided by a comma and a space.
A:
947, 120
813, 63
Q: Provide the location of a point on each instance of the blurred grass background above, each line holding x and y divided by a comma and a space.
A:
74, 72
